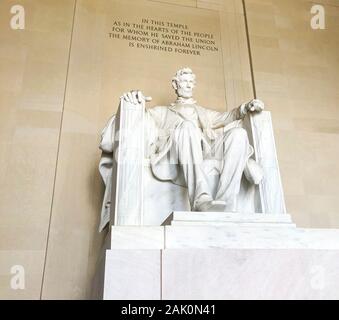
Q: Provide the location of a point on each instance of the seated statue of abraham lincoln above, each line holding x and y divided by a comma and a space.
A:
182, 136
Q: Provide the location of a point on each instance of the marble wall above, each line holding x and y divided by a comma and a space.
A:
61, 77
33, 72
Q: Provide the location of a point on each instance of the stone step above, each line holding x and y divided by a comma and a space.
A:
229, 218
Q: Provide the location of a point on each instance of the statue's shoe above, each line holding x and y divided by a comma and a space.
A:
212, 206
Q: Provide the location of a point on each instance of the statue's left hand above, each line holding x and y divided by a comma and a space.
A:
135, 97
255, 105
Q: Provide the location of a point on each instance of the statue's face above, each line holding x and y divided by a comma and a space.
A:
185, 85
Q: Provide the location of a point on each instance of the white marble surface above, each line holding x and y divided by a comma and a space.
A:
221, 262
250, 274
262, 138
231, 224
231, 217
132, 275
244, 237
128, 183
135, 237
161, 198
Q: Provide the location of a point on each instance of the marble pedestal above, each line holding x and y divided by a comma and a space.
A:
220, 256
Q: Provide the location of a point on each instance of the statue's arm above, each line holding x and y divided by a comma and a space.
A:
224, 118
155, 117
240, 112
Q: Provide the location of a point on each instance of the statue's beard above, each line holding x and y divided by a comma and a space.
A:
181, 93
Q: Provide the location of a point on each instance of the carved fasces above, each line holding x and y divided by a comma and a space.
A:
262, 138
127, 191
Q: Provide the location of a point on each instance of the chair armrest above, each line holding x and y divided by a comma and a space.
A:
260, 132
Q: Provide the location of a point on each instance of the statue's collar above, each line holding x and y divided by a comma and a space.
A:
183, 101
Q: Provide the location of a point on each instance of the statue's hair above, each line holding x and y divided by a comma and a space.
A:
181, 72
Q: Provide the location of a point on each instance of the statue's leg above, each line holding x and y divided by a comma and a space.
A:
235, 156
187, 146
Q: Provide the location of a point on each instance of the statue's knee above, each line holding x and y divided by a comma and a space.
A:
239, 134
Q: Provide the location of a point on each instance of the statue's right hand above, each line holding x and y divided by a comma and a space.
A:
135, 97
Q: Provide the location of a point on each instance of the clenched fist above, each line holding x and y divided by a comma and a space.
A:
254, 105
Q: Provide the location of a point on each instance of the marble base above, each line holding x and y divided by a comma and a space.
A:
230, 257
250, 274
132, 274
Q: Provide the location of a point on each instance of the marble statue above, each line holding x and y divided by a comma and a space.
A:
181, 136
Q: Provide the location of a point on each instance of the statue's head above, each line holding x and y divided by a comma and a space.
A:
183, 83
